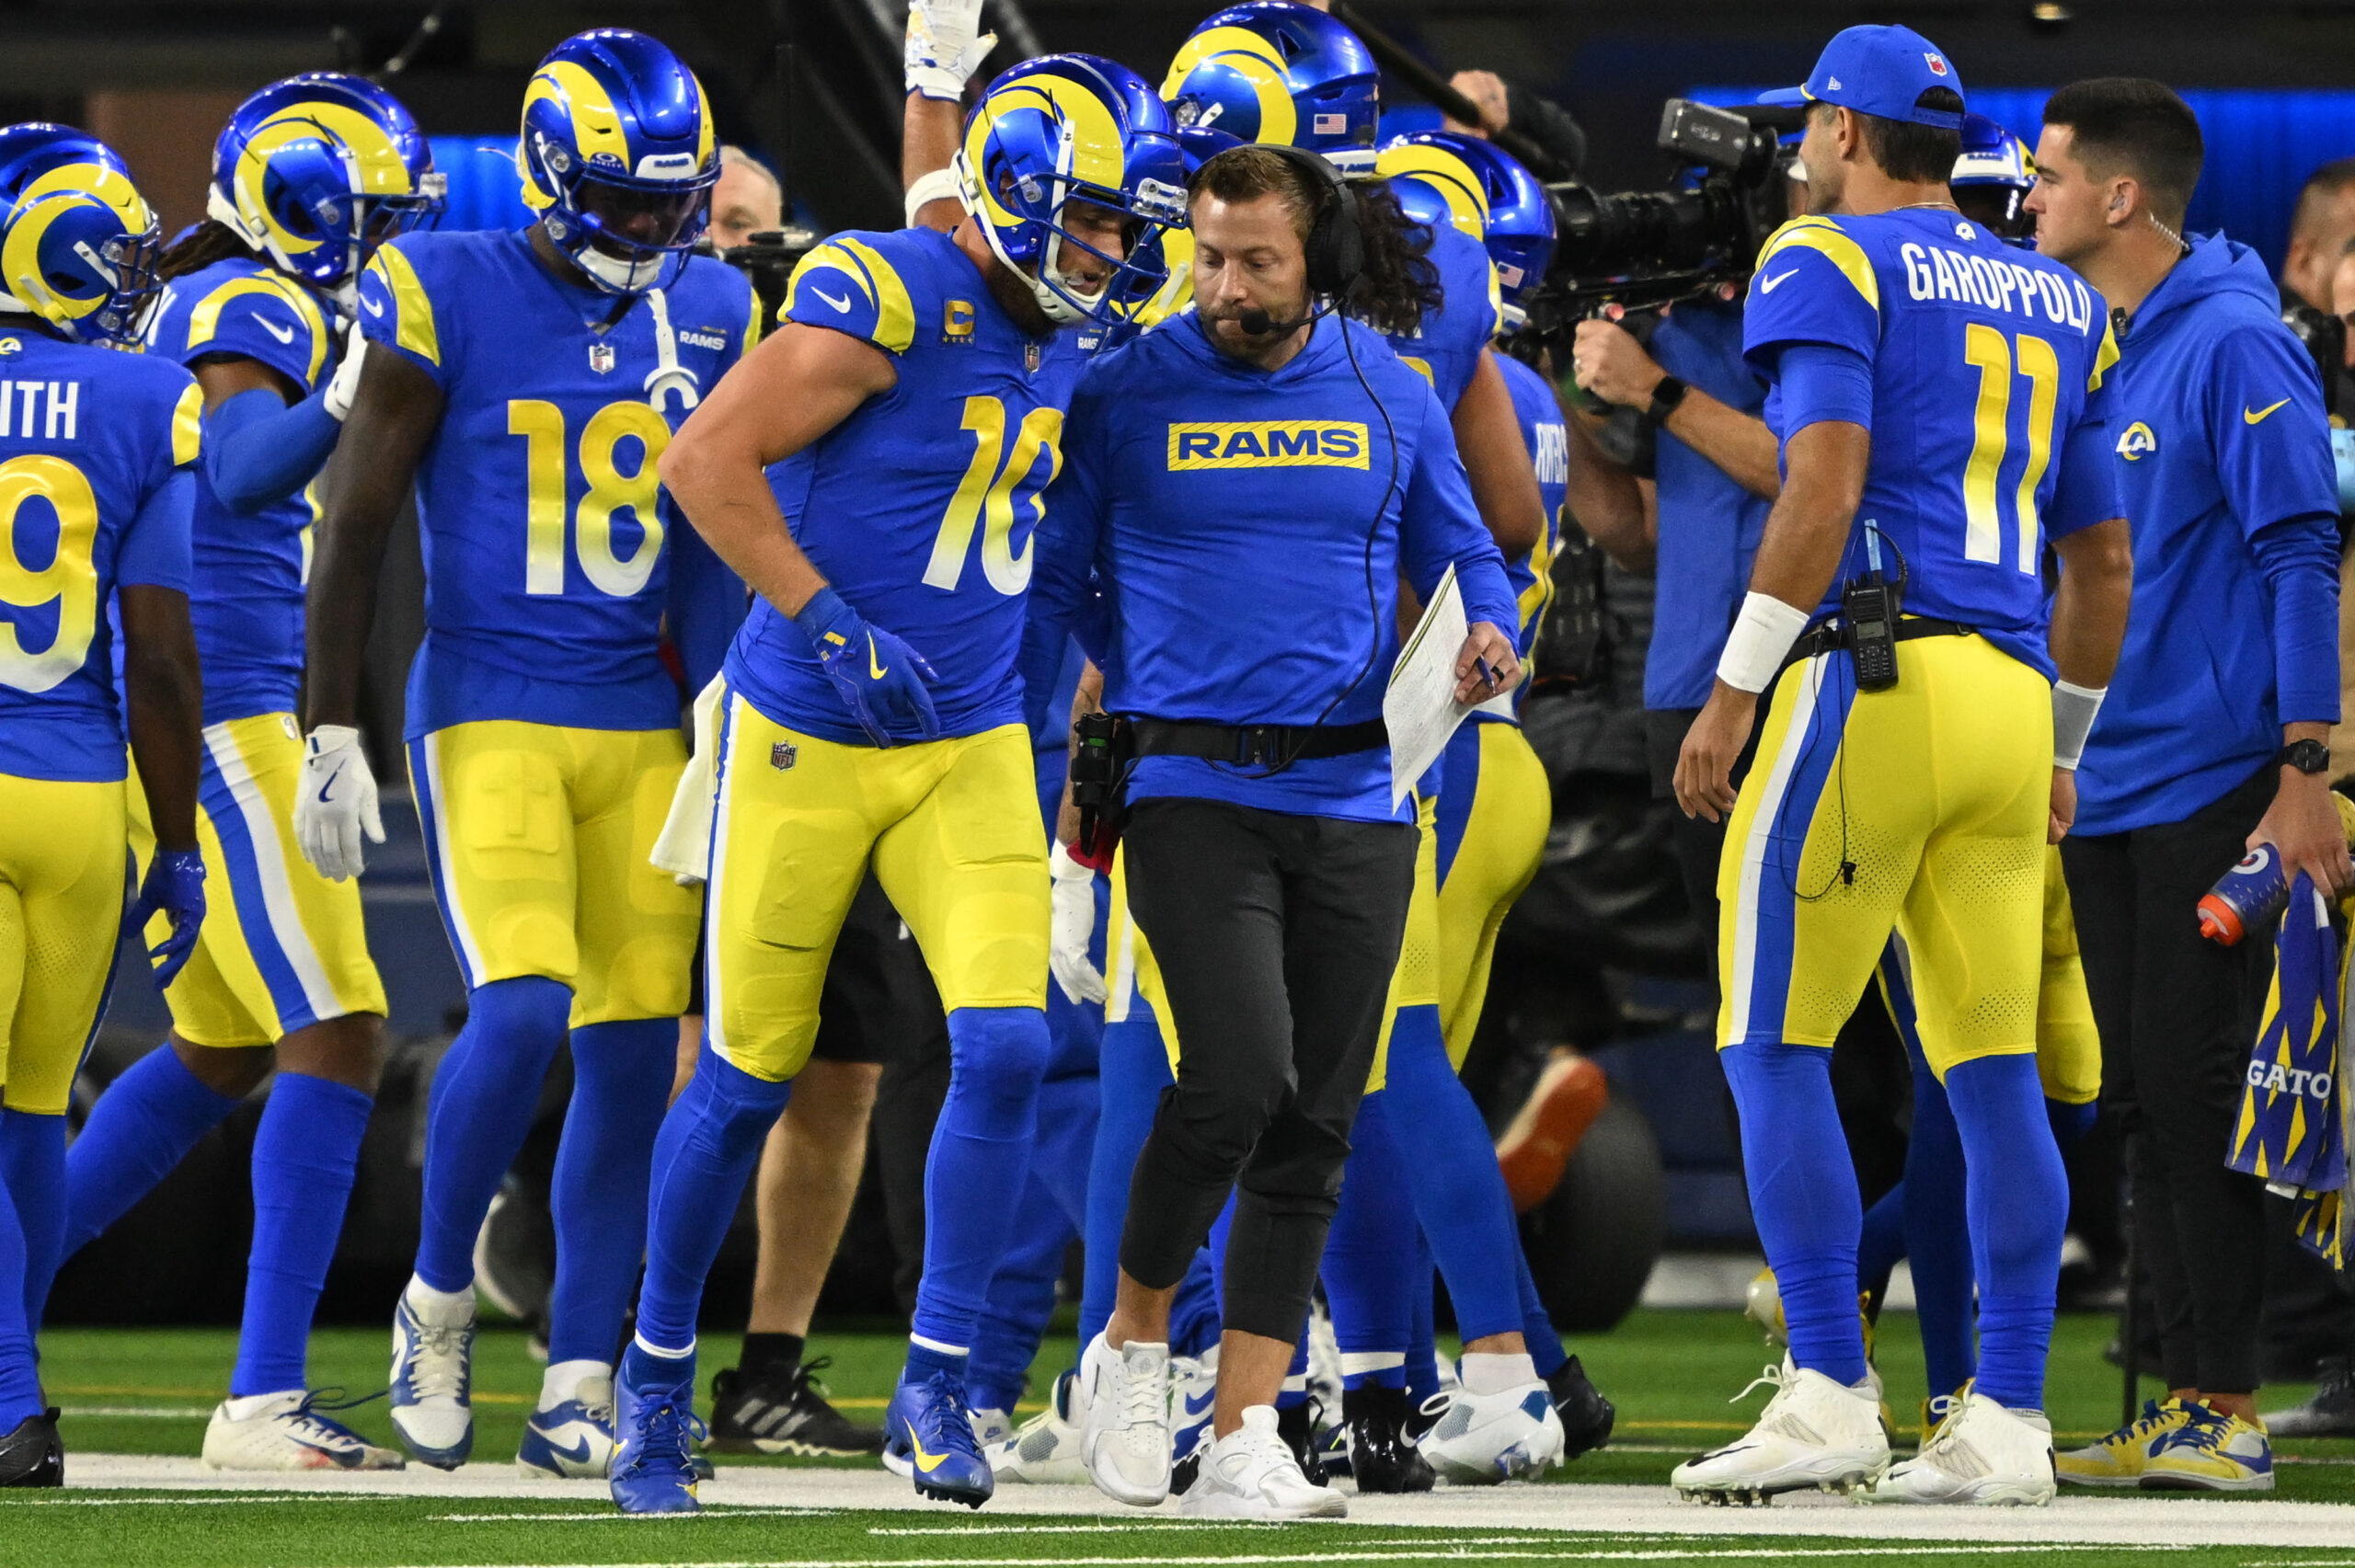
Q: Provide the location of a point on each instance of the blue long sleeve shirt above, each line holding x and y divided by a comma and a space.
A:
1247, 530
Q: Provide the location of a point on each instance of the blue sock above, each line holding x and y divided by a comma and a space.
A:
306, 1153
1938, 1237
1368, 1265
2019, 1206
1881, 1242
2070, 1123
705, 1154
1422, 1340
19, 1371
484, 1094
1054, 1203
1295, 1389
1133, 1069
1802, 1198
1536, 1325
980, 1155
32, 1160
1449, 1160
1194, 1327
641, 1368
142, 1126
621, 1084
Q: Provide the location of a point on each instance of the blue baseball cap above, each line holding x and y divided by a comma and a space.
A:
1878, 70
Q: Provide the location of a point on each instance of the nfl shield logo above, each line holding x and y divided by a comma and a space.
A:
783, 755
601, 357
1031, 357
1937, 66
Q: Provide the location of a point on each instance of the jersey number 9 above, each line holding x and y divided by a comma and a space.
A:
986, 495
1987, 348
69, 580
541, 424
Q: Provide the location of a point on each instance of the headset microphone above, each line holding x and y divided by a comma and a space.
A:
1259, 323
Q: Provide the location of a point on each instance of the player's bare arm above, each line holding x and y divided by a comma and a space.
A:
164, 699
1504, 486
1805, 534
2088, 624
1607, 502
1610, 363
929, 131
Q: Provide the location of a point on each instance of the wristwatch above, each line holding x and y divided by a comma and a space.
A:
2307, 756
1665, 397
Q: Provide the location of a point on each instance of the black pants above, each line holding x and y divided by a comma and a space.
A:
2178, 1016
1276, 936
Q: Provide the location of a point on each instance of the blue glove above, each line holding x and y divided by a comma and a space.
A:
882, 678
175, 886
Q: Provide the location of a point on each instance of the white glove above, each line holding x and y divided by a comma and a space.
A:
338, 802
1074, 923
346, 379
946, 46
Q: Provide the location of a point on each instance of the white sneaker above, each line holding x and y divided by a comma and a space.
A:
432, 1378
571, 1439
1480, 1440
1250, 1473
284, 1431
1044, 1450
1124, 1423
990, 1427
1981, 1454
1814, 1432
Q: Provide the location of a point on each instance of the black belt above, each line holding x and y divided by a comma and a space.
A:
1264, 745
1832, 636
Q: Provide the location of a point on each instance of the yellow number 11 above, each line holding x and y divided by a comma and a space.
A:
1987, 348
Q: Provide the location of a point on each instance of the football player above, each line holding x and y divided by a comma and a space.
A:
308, 177
527, 381
96, 457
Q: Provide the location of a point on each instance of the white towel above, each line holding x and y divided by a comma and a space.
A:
684, 847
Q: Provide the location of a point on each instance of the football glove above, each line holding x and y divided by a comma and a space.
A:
346, 379
1074, 924
173, 887
946, 46
882, 678
338, 803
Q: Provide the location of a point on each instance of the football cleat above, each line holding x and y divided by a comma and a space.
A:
760, 1412
1044, 1450
1934, 1411
2211, 1452
2329, 1413
1570, 1092
2118, 1459
33, 1455
575, 1439
1301, 1428
1813, 1433
1762, 1303
655, 1428
1481, 1440
1124, 1419
929, 1427
289, 1431
1983, 1454
432, 1378
1586, 1416
1252, 1473
1379, 1457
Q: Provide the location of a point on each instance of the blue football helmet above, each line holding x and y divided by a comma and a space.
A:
1991, 179
1067, 128
79, 244
619, 154
317, 170
1447, 176
1272, 71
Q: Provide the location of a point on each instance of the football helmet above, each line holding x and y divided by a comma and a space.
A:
1991, 179
618, 154
79, 244
317, 170
1274, 70
1445, 176
1067, 128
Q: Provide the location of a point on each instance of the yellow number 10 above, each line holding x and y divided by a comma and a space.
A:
1987, 349
986, 496
541, 424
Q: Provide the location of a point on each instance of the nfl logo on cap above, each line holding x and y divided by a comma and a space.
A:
1937, 66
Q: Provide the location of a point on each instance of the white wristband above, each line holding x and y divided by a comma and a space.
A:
1762, 636
2073, 708
940, 185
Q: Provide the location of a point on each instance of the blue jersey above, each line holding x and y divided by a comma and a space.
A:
248, 569
547, 536
93, 446
920, 508
1542, 430
1987, 366
1446, 346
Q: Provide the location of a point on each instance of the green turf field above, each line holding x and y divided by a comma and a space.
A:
128, 1392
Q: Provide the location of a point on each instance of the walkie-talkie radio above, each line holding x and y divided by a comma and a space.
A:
1871, 606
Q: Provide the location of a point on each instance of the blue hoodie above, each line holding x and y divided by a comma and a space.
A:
2225, 468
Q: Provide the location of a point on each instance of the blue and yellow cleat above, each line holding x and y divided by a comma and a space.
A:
929, 1428
655, 1428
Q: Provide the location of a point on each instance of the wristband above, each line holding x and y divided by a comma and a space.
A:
2073, 708
940, 185
1665, 397
1762, 637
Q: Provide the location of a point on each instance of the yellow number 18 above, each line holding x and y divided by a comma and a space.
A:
541, 424
1987, 349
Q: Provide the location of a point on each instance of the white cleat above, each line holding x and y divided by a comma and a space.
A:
571, 1440
1193, 1391
432, 1376
1123, 1399
990, 1427
1481, 1440
1983, 1454
1250, 1473
285, 1431
1044, 1450
1813, 1433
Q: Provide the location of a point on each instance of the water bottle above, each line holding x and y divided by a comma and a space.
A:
2246, 899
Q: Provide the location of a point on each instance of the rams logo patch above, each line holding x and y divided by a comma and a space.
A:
2137, 442
1267, 443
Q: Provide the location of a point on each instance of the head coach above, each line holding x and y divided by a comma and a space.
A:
1250, 482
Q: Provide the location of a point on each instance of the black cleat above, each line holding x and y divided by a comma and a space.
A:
32, 1455
1297, 1425
765, 1413
2329, 1413
1586, 1414
1381, 1460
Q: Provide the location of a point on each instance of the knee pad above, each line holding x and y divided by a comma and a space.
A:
528, 1007
999, 1053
